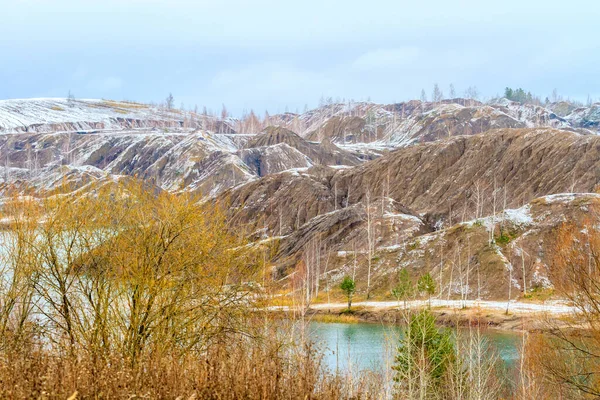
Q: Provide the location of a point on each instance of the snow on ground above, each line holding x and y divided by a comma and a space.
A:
296, 171
358, 147
17, 113
402, 216
568, 197
519, 216
551, 307
340, 166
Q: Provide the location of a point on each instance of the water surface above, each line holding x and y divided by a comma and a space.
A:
361, 346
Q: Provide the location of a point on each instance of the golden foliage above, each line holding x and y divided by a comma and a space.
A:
127, 292
567, 359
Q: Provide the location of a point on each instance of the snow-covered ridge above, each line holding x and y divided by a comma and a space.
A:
55, 114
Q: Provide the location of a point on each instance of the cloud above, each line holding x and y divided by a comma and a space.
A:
387, 58
272, 53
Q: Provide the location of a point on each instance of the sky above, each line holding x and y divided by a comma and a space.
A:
276, 54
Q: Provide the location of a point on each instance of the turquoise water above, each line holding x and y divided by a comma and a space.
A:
372, 346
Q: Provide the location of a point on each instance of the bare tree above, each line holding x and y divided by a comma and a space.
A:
224, 116
472, 94
510, 271
494, 209
370, 241
169, 102
70, 99
325, 275
7, 168
479, 192
335, 197
437, 95
524, 271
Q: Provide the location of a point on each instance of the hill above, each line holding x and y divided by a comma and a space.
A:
364, 187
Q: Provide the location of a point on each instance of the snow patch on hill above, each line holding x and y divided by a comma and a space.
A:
519, 216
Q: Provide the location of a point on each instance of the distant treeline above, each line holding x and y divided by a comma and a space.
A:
523, 97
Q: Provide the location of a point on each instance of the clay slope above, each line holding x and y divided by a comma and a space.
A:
414, 195
346, 230
406, 123
272, 159
475, 259
462, 177
412, 122
446, 181
482, 257
203, 162
199, 162
180, 159
324, 153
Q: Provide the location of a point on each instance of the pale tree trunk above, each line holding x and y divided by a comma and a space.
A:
317, 267
307, 281
280, 222
335, 196
510, 268
355, 260
468, 268
524, 274
441, 270
327, 276
369, 244
462, 280
491, 238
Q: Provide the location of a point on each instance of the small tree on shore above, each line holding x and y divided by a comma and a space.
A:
349, 287
404, 289
426, 285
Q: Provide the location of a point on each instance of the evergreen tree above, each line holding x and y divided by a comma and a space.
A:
348, 286
424, 355
404, 289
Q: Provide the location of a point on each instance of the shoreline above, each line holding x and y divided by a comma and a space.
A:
530, 317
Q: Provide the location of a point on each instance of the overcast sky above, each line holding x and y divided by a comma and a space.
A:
273, 54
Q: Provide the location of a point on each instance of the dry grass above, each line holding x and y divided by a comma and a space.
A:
336, 318
124, 104
131, 294
265, 366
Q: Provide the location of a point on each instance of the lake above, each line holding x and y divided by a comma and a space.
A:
360, 346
